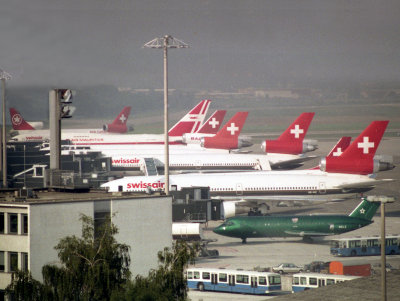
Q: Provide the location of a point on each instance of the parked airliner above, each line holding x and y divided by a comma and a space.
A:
349, 173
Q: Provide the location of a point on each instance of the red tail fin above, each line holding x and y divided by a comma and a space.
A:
340, 147
212, 125
18, 123
119, 124
227, 137
291, 140
358, 158
366, 144
191, 122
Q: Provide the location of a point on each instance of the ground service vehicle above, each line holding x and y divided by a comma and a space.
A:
306, 281
234, 281
367, 245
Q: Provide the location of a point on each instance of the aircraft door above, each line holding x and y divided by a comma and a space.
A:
239, 189
322, 188
198, 164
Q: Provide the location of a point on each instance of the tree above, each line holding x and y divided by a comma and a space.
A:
168, 281
91, 267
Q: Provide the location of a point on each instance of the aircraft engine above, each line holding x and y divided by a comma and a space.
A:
112, 128
224, 143
364, 167
281, 147
231, 208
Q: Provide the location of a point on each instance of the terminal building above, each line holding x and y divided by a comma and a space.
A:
31, 228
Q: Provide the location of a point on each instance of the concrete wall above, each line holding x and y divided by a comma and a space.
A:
49, 223
144, 224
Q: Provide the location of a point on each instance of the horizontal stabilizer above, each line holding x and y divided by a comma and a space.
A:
366, 184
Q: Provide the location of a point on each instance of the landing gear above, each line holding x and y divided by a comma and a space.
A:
244, 240
308, 239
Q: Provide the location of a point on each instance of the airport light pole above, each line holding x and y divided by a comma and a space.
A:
164, 43
4, 76
383, 200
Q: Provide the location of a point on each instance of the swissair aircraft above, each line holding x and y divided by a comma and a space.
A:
28, 131
190, 122
350, 173
288, 149
208, 128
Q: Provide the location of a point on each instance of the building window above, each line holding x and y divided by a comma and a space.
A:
24, 224
24, 262
13, 223
1, 222
2, 262
13, 261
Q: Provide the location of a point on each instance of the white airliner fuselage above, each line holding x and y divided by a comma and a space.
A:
297, 182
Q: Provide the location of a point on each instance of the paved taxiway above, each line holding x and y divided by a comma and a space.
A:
267, 252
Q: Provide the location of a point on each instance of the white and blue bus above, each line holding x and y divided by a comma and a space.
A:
368, 245
233, 281
306, 281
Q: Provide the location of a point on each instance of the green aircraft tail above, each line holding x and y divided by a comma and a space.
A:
365, 209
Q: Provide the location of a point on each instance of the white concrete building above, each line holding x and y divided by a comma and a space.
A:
29, 230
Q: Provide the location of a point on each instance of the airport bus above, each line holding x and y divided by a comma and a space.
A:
368, 245
233, 281
306, 281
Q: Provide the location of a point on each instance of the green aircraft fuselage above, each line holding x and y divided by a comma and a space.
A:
285, 226
305, 226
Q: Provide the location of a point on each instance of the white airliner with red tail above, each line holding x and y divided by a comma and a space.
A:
27, 131
190, 122
350, 173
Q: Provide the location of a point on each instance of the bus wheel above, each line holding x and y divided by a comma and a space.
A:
201, 287
353, 253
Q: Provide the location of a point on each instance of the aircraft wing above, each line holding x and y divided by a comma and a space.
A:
366, 184
255, 200
290, 163
306, 233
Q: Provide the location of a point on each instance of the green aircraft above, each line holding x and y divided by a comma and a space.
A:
306, 226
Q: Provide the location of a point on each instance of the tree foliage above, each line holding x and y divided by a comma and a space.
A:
168, 281
91, 267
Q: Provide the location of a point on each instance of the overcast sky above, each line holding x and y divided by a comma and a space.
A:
234, 44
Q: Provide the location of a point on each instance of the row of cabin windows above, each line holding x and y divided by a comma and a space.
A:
214, 164
12, 220
267, 188
15, 261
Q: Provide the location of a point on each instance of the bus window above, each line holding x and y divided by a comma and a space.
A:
313, 281
296, 280
262, 280
303, 280
190, 275
196, 275
242, 279
274, 280
354, 243
206, 275
222, 277
330, 281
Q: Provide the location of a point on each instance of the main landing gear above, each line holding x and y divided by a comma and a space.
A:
244, 240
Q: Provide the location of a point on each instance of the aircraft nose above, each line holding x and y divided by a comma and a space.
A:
220, 229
